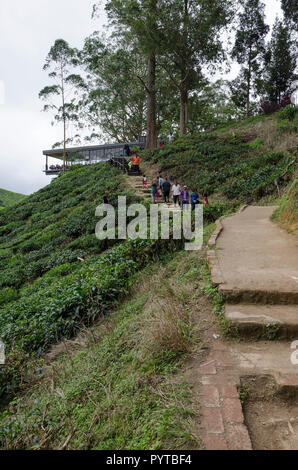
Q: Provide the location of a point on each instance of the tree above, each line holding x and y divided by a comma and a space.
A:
280, 62
212, 107
290, 9
59, 62
249, 47
114, 98
190, 40
137, 20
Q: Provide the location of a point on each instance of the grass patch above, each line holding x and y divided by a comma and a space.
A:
119, 384
9, 198
287, 213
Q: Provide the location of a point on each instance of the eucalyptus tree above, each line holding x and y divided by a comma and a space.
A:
281, 62
114, 99
137, 20
61, 95
290, 9
212, 107
249, 47
190, 35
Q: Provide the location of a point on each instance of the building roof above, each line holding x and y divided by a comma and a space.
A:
58, 153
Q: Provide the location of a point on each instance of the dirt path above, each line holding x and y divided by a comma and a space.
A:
255, 265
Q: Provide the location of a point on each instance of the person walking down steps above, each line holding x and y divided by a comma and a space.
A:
194, 199
145, 184
166, 186
136, 163
153, 191
176, 190
185, 198
126, 150
160, 182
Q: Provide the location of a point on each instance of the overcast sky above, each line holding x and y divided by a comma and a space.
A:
27, 31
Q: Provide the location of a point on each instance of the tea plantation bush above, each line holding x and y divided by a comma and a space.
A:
55, 225
55, 275
224, 165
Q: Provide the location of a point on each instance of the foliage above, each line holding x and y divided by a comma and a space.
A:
280, 62
9, 198
191, 39
249, 49
114, 99
60, 61
116, 389
287, 212
53, 277
289, 112
221, 165
290, 9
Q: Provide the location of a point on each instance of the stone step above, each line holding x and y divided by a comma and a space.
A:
278, 359
258, 260
258, 296
264, 321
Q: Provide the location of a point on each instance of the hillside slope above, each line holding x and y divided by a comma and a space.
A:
234, 165
9, 198
56, 278
287, 213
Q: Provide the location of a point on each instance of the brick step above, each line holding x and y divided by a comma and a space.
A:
269, 358
264, 321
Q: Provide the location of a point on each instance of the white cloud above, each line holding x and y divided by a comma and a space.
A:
27, 31
2, 92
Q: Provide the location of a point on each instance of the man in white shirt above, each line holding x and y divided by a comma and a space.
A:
176, 190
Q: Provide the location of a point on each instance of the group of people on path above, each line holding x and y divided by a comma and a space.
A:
134, 163
182, 198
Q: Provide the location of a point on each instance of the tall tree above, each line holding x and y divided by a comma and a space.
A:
290, 9
249, 47
114, 99
280, 63
137, 19
59, 62
190, 34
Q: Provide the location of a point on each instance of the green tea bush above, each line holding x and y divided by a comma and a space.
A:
7, 295
288, 113
42, 317
256, 143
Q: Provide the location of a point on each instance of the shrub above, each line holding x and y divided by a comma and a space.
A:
8, 295
256, 143
288, 113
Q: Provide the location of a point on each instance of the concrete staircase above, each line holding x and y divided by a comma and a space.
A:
255, 265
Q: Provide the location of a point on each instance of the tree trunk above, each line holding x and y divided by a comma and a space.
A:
183, 110
248, 85
183, 84
151, 111
64, 120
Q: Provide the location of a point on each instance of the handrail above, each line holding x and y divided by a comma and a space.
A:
122, 164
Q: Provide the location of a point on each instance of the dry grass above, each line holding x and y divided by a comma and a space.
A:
287, 214
167, 327
273, 140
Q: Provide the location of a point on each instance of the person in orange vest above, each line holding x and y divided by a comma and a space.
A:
136, 162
